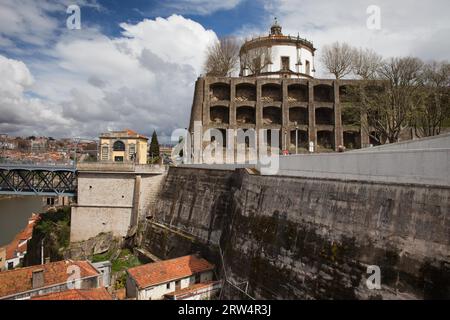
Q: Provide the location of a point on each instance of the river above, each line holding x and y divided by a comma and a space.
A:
14, 214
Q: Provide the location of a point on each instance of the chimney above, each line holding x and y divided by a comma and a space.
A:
38, 278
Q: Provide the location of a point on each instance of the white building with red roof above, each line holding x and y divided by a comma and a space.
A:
153, 281
54, 277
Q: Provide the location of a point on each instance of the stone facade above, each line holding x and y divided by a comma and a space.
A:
306, 238
112, 201
312, 107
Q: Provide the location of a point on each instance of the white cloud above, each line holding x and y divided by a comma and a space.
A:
199, 7
408, 27
143, 79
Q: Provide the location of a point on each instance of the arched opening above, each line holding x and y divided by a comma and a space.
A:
271, 93
220, 92
299, 115
245, 92
324, 116
323, 93
272, 115
352, 140
220, 114
325, 140
298, 93
375, 138
119, 146
299, 137
245, 115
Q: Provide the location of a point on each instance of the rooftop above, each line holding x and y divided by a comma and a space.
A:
152, 274
87, 294
193, 289
20, 280
20, 242
124, 134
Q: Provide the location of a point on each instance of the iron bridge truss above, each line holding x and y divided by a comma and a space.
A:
31, 180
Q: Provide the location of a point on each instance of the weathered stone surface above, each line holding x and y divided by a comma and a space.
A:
100, 244
297, 238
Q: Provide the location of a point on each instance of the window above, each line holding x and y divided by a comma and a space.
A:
119, 146
105, 152
307, 68
132, 151
197, 278
118, 159
177, 284
168, 286
285, 63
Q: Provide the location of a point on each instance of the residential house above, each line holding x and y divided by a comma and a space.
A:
25, 283
17, 249
153, 281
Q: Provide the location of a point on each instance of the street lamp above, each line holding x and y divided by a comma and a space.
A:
296, 137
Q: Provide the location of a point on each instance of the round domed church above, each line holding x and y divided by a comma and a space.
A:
277, 90
277, 55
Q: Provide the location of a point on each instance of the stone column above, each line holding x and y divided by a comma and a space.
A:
312, 115
338, 134
285, 115
136, 199
258, 112
232, 108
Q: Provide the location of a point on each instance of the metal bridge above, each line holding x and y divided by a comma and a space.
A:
42, 180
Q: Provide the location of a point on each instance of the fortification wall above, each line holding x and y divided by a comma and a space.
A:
304, 238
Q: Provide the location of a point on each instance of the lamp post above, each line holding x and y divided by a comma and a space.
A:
296, 137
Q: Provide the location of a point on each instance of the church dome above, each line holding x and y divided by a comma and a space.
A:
277, 55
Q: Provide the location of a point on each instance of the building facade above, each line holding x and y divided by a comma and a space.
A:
123, 146
25, 283
310, 115
278, 55
171, 278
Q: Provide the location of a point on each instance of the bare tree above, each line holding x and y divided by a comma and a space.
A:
390, 105
366, 63
222, 57
337, 59
435, 107
256, 59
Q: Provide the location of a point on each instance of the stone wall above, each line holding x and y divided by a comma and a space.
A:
298, 238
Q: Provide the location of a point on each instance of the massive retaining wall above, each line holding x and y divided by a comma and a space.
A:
305, 238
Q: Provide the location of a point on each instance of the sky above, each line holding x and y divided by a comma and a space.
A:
133, 64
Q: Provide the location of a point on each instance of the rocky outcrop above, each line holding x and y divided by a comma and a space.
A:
102, 243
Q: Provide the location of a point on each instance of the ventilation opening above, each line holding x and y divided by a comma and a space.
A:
219, 115
324, 116
325, 140
245, 115
271, 93
323, 93
352, 140
220, 92
299, 116
298, 93
245, 92
272, 115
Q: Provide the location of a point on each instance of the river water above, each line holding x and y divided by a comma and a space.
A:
14, 214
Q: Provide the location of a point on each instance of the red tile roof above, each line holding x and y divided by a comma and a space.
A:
17, 244
19, 280
192, 290
164, 271
87, 294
